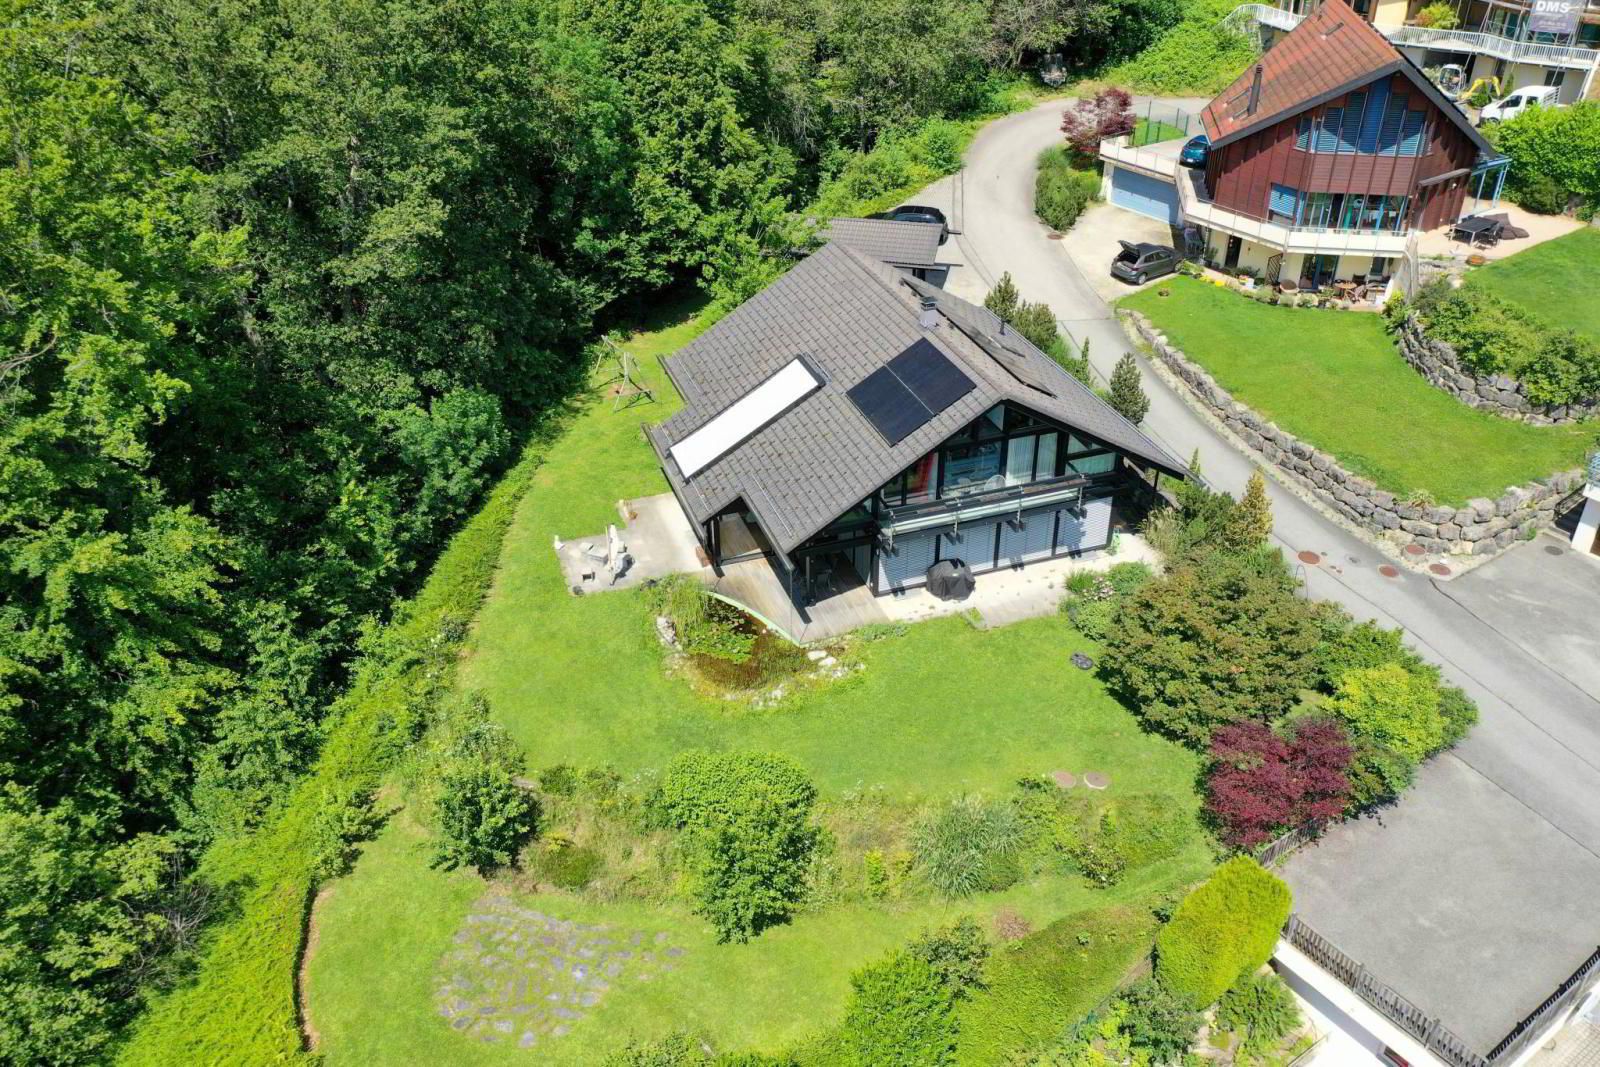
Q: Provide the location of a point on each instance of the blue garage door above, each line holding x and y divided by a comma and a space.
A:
1144, 194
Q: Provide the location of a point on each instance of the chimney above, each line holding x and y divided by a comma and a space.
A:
929, 319
1255, 92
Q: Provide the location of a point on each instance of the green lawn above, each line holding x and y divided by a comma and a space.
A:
941, 709
384, 930
1552, 281
1335, 379
1153, 131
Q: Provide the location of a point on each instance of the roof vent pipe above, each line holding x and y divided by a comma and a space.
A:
929, 319
1255, 92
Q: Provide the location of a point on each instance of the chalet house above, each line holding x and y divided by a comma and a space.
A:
853, 425
1327, 156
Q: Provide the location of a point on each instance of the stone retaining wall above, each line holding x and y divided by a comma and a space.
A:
1437, 362
1481, 527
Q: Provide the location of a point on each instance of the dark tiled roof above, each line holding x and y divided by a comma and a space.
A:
1333, 51
849, 315
900, 244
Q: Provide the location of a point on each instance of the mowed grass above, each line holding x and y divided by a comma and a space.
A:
383, 931
943, 708
1553, 281
1335, 379
1154, 131
939, 710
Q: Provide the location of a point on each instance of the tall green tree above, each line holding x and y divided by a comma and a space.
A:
1127, 390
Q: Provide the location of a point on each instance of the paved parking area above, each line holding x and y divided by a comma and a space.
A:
1475, 942
1093, 244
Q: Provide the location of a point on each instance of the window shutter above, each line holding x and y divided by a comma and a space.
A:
1393, 116
1283, 200
1411, 133
1302, 136
1350, 134
1372, 116
1328, 135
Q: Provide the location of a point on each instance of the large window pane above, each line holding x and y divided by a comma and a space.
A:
968, 467
1101, 464
1019, 460
922, 479
1045, 467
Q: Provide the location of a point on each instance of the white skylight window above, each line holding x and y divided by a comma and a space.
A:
744, 417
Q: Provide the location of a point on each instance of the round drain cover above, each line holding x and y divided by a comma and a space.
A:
1555, 550
1310, 558
1440, 569
1389, 571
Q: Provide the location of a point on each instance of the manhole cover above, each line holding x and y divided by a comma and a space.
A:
1440, 569
1416, 550
1310, 558
1389, 571
1096, 780
1064, 779
1056, 236
1554, 550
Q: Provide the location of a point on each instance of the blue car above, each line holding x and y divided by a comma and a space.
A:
1195, 151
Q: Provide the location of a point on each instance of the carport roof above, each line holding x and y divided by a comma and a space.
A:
846, 316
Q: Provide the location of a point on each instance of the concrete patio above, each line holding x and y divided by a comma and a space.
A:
1436, 244
658, 537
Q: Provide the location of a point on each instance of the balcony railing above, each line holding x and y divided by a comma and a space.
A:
982, 504
1489, 44
1197, 207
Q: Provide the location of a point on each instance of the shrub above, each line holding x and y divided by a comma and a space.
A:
1542, 195
1490, 335
1439, 15
1126, 578
1260, 1009
1092, 618
1195, 57
956, 953
750, 870
1377, 775
900, 1012
1221, 640
702, 789
1062, 191
1260, 784
483, 815
1459, 713
1560, 145
964, 844
1158, 1022
1223, 930
1049, 980
1392, 707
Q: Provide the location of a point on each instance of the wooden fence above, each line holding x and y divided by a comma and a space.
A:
1397, 1009
1273, 851
1531, 1027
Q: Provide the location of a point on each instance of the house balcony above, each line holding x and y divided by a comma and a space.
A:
1195, 202
1476, 43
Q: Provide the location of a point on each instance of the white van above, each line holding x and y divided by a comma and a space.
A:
1518, 101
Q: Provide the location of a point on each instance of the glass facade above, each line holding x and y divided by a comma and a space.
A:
1357, 212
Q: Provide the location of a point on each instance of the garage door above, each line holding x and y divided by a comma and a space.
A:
1144, 194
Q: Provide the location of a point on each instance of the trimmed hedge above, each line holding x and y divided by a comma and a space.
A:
240, 1007
1049, 980
1224, 930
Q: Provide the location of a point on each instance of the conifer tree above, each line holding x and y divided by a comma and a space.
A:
1127, 395
1251, 521
1004, 298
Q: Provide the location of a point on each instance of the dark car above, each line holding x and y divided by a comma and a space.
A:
1195, 151
920, 213
1138, 263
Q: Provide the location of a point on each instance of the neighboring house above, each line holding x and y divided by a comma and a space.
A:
912, 247
1586, 535
1326, 157
852, 421
1518, 42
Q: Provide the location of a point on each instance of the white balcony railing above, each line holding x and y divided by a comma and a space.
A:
1489, 44
1198, 208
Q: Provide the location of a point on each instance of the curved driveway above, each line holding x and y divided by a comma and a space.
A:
1496, 852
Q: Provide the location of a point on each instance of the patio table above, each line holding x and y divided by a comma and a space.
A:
1476, 228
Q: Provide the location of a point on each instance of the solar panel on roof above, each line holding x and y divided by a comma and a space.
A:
891, 408
931, 377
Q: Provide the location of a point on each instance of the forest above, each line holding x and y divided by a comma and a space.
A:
286, 285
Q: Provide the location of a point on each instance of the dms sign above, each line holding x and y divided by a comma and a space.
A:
1555, 16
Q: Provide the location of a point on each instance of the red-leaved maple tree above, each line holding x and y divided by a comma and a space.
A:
1261, 784
1109, 113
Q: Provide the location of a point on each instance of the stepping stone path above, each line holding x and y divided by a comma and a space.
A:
1064, 779
1096, 780
519, 976
1415, 550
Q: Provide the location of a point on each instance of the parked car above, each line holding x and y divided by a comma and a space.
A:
1138, 263
1195, 151
920, 213
1518, 101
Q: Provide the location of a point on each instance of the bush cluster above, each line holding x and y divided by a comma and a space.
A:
1061, 191
1037, 323
746, 816
480, 811
1094, 599
1261, 1011
1102, 838
1493, 336
1552, 148
1224, 930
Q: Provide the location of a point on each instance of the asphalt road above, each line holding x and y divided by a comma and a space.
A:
1516, 804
